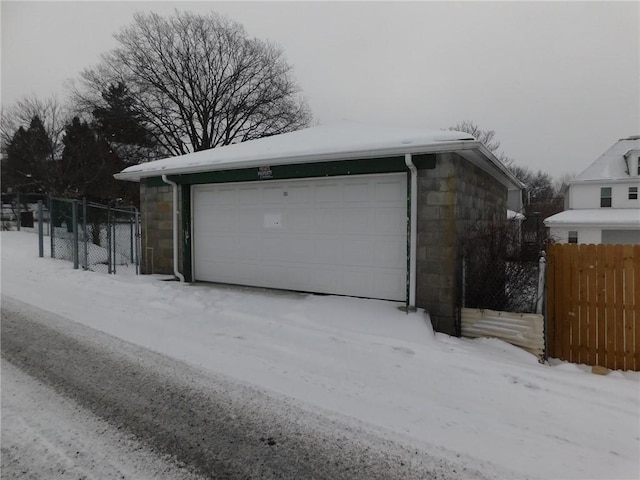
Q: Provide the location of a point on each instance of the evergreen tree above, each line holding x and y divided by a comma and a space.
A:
88, 163
123, 126
29, 159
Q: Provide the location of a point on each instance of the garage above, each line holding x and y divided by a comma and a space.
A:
344, 209
343, 235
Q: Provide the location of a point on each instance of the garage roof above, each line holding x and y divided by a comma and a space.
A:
342, 141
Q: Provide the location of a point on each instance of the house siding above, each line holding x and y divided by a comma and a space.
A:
588, 195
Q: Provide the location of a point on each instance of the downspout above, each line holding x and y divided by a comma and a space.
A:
413, 231
175, 227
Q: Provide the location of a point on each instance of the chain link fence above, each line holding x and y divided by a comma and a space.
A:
505, 285
497, 272
95, 237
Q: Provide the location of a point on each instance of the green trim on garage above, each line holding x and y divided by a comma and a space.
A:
305, 170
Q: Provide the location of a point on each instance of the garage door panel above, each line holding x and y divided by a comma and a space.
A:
224, 269
301, 250
387, 221
272, 194
357, 282
390, 281
299, 194
327, 221
357, 191
224, 196
340, 235
390, 191
248, 195
388, 253
328, 193
249, 247
327, 250
298, 220
358, 251
358, 220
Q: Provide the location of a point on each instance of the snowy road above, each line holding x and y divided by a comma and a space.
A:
121, 411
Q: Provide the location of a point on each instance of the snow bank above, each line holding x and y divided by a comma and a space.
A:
482, 400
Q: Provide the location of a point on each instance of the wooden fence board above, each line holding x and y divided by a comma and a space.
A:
550, 332
618, 266
636, 305
566, 303
610, 309
629, 308
573, 307
592, 316
582, 319
601, 345
593, 304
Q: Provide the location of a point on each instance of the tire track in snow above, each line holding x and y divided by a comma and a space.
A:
218, 428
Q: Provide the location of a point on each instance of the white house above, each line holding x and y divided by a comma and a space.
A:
602, 203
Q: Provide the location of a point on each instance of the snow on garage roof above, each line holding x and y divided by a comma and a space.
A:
610, 217
341, 141
611, 165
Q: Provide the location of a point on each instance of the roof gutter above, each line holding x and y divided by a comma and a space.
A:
174, 185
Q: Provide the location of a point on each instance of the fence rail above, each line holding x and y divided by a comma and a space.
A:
593, 310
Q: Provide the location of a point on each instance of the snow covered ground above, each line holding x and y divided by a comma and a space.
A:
45, 435
481, 402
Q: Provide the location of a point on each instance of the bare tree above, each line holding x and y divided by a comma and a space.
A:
199, 81
53, 114
487, 137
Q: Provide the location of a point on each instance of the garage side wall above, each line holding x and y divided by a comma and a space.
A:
157, 229
451, 197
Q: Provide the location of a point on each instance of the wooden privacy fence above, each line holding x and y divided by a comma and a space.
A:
593, 305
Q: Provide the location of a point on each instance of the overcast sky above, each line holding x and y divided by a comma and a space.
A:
559, 82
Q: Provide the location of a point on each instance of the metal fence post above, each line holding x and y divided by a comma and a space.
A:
138, 240
19, 211
40, 231
109, 239
74, 221
84, 233
464, 282
131, 234
52, 228
541, 276
115, 243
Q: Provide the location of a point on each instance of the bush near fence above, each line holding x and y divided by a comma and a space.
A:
593, 305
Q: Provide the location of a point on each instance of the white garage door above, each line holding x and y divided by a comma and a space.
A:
340, 235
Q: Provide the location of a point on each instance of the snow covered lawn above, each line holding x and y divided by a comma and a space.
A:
482, 401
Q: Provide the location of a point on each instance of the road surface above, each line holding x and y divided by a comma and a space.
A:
191, 423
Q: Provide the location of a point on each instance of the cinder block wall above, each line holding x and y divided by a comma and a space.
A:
157, 229
451, 197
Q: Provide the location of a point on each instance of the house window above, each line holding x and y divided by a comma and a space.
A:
573, 236
633, 193
605, 197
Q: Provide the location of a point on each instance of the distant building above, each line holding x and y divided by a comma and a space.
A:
602, 202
